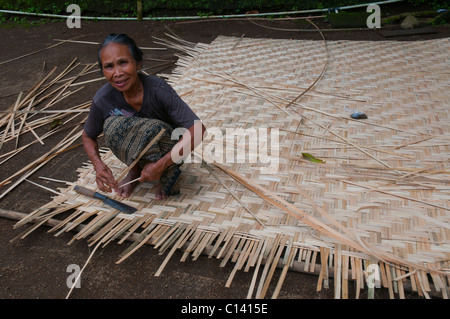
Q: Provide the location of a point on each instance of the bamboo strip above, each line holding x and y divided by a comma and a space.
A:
138, 244
34, 133
87, 81
415, 142
323, 276
258, 265
253, 258
270, 98
359, 277
161, 240
186, 233
138, 224
423, 283
173, 238
141, 223
10, 120
271, 253
22, 123
345, 278
96, 223
291, 253
67, 220
101, 235
273, 265
31, 53
390, 281
161, 230
238, 265
230, 248
46, 188
64, 87
196, 238
228, 236
82, 269
31, 127
34, 227
337, 271
247, 259
121, 229
117, 231
192, 229
207, 238
384, 281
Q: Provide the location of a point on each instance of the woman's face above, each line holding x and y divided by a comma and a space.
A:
119, 66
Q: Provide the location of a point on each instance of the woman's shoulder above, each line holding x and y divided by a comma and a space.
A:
106, 91
153, 81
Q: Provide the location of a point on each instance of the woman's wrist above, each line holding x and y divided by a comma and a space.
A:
98, 164
166, 161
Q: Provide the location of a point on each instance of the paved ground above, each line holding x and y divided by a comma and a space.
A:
36, 266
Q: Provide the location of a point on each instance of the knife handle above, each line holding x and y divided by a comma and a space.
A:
84, 190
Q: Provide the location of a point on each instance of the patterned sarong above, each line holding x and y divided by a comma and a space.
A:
127, 136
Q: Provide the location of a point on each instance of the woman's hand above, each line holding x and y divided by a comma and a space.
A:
104, 177
152, 172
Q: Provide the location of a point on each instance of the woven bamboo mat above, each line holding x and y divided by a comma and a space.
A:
372, 208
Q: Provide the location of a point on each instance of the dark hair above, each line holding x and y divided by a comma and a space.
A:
124, 39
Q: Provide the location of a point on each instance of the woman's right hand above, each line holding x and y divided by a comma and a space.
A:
104, 178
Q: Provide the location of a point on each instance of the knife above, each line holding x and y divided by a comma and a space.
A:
109, 201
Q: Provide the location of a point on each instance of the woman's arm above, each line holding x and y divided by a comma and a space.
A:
104, 177
188, 142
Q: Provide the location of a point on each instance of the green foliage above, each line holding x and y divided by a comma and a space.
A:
348, 19
153, 7
399, 17
184, 7
443, 18
434, 4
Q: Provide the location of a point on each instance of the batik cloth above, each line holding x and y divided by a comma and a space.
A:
128, 136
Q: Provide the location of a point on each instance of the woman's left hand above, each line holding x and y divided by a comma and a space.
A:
152, 172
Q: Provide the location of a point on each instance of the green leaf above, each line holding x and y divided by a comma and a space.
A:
311, 158
54, 124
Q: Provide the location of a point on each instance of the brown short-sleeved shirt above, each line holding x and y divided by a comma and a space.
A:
160, 102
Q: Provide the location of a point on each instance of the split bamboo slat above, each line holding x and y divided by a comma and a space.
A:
374, 210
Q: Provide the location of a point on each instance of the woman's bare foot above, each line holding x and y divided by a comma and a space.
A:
126, 191
160, 194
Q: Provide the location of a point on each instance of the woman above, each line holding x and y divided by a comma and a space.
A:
134, 107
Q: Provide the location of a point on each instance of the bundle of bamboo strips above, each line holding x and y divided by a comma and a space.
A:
36, 108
